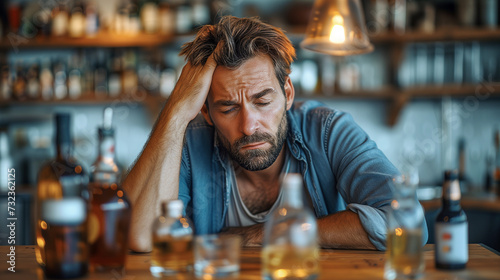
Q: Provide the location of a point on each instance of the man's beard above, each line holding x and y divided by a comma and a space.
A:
255, 160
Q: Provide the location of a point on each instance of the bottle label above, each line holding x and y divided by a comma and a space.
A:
451, 243
64, 211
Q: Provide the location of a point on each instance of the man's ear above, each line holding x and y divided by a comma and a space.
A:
206, 113
289, 92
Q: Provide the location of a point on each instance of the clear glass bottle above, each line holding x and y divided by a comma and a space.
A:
290, 247
451, 228
172, 241
110, 209
61, 229
404, 253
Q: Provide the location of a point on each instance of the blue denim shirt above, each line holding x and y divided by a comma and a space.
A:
342, 169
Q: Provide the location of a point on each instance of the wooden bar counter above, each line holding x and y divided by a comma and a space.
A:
335, 264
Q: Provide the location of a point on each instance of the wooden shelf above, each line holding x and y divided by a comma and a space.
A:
443, 34
100, 40
88, 100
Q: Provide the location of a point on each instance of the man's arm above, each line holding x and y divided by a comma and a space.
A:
342, 230
155, 176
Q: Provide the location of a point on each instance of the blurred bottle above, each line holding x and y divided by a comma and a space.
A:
110, 210
46, 81
6, 83
201, 13
496, 174
488, 176
451, 227
20, 90
60, 20
290, 247
91, 19
33, 81
130, 79
74, 78
167, 18
462, 173
61, 229
77, 22
100, 77
168, 78
115, 75
5, 162
60, 80
184, 17
172, 241
150, 17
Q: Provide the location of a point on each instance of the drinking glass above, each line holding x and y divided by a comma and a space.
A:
404, 254
217, 256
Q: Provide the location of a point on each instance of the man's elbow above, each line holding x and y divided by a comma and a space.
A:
139, 244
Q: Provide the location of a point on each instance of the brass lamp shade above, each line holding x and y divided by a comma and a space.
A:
337, 27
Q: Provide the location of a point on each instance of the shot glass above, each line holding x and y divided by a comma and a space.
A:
217, 256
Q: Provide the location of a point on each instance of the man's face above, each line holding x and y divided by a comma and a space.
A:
248, 109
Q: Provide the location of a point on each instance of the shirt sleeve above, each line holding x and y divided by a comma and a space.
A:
363, 174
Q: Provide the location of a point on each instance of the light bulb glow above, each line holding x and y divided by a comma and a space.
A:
337, 35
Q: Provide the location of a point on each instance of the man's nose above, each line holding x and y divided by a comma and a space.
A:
248, 121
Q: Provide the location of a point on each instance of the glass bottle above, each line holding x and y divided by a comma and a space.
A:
172, 241
290, 247
110, 209
451, 227
404, 254
496, 173
61, 229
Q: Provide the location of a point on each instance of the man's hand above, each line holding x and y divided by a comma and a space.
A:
191, 90
251, 236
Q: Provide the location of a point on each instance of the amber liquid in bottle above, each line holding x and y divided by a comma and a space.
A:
110, 209
61, 229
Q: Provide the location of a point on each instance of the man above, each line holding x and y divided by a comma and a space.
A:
226, 163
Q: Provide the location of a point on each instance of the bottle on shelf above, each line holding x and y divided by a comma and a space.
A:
290, 246
46, 81
110, 209
91, 19
60, 20
6, 83
61, 228
115, 76
76, 24
100, 77
172, 241
60, 81
33, 81
451, 227
5, 162
496, 173
74, 78
20, 83
462, 174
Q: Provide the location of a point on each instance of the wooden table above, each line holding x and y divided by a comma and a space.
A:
335, 264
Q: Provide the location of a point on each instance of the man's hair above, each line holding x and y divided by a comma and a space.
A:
241, 39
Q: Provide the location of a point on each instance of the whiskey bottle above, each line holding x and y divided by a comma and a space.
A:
61, 229
110, 209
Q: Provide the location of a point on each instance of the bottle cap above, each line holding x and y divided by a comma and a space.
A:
450, 175
175, 208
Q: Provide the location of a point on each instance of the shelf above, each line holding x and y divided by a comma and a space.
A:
100, 40
443, 34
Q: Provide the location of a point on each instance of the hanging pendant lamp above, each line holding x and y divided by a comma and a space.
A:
337, 27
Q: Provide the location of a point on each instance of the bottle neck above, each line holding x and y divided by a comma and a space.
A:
106, 147
451, 195
64, 150
292, 197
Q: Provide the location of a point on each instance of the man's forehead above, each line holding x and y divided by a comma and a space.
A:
256, 72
